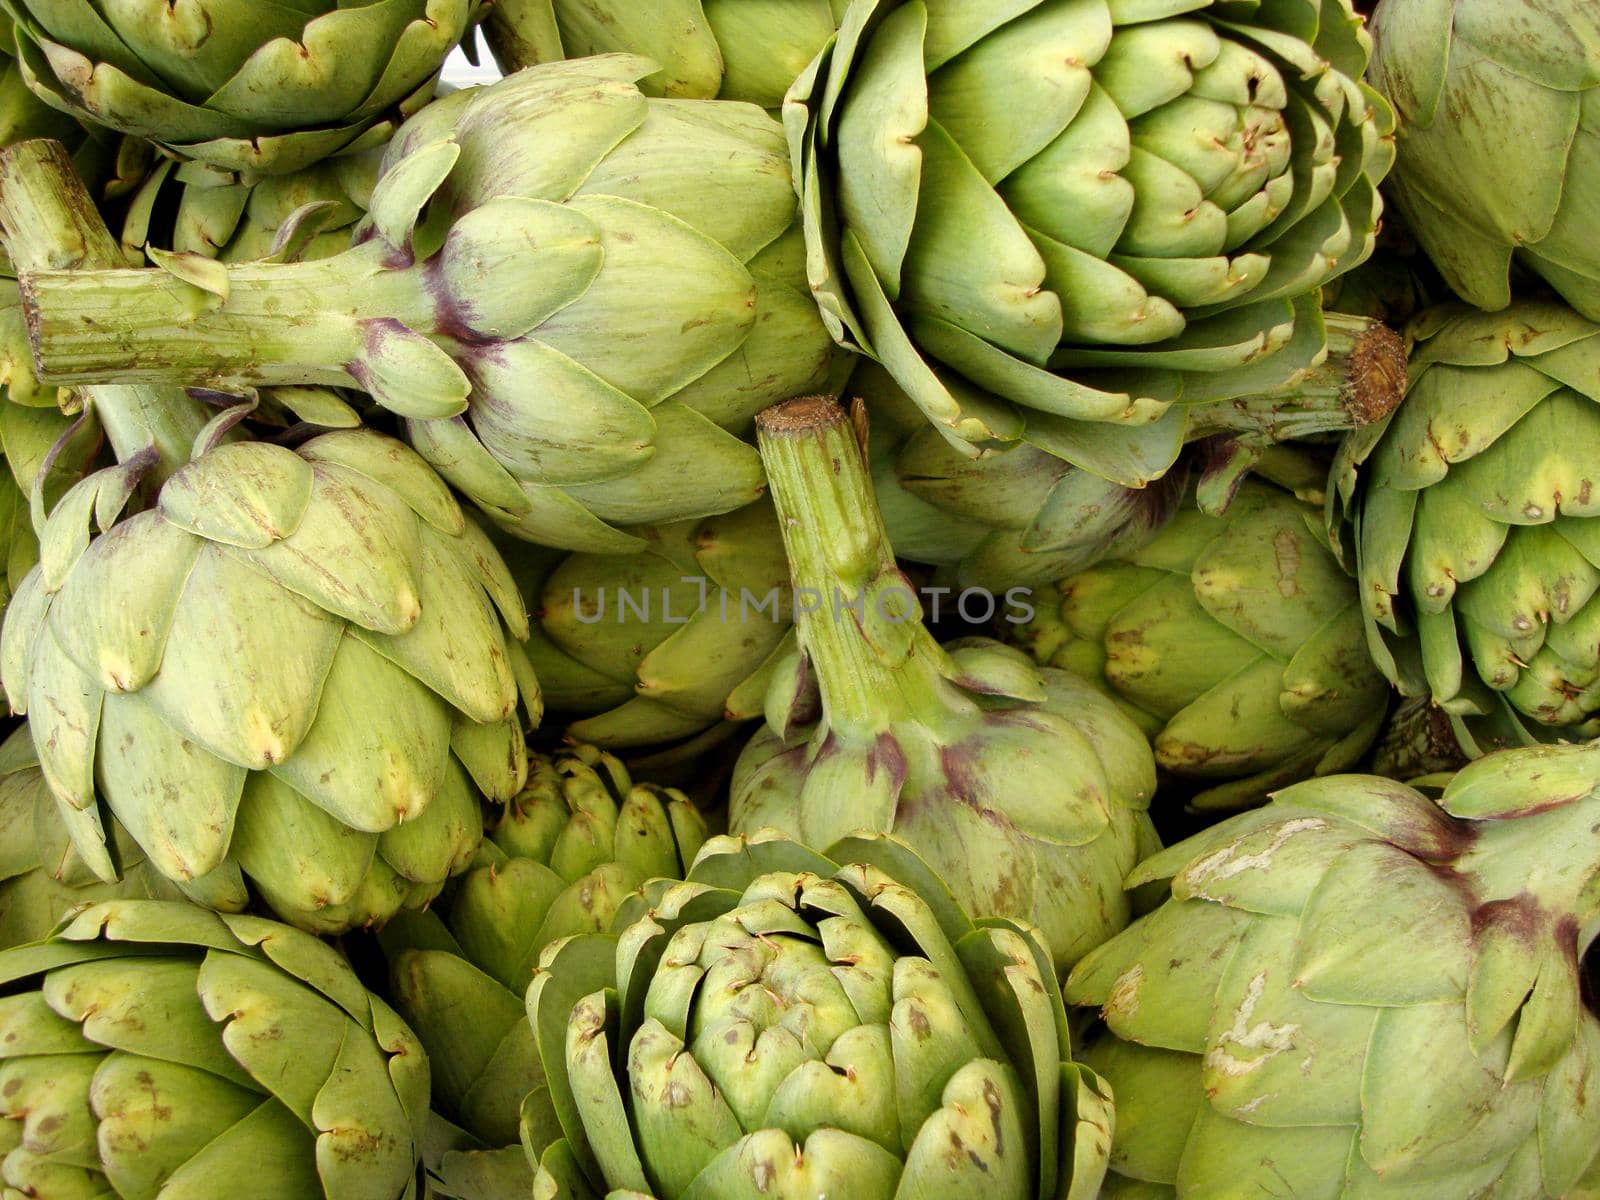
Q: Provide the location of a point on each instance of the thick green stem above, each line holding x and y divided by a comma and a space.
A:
1362, 379
859, 619
50, 223
280, 324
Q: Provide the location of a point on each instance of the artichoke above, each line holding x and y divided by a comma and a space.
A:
1353, 992
42, 878
602, 291
300, 666
708, 49
664, 645
1024, 789
1469, 520
155, 1048
579, 839
792, 1024
238, 85
1158, 191
1234, 642
1480, 86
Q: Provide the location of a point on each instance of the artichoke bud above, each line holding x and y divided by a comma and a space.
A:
694, 999
1255, 937
1155, 231
347, 566
523, 335
146, 1044
970, 754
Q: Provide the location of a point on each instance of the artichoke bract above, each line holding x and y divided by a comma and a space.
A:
1469, 518
1024, 788
154, 1048
578, 840
242, 86
1479, 86
789, 1023
707, 49
1357, 992
42, 878
1069, 224
1235, 642
666, 644
577, 296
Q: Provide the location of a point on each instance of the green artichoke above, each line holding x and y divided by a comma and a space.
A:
1469, 520
579, 839
155, 1048
1354, 993
239, 85
1498, 103
792, 1024
1234, 642
1025, 789
300, 666
663, 645
1157, 191
602, 291
708, 49
42, 878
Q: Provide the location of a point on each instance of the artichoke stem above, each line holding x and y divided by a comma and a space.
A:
50, 223
1361, 379
278, 324
858, 617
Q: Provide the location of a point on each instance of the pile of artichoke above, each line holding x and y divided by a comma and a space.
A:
799, 598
